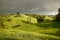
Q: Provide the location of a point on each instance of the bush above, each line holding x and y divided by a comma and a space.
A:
18, 14
40, 18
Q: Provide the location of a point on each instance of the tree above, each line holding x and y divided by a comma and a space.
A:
40, 18
18, 14
58, 15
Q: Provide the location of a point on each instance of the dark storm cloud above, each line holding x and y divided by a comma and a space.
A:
29, 6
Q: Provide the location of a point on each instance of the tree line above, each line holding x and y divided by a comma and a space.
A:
40, 18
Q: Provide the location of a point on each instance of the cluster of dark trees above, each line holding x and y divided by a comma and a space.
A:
57, 17
37, 16
40, 17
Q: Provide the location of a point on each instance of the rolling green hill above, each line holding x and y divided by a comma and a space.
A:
14, 20
24, 27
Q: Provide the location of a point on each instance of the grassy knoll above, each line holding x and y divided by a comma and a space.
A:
14, 27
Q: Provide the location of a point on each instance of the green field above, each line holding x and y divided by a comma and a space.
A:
22, 28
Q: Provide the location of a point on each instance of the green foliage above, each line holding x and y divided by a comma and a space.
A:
40, 18
32, 15
58, 16
18, 14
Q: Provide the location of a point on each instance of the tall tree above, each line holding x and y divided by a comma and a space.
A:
58, 15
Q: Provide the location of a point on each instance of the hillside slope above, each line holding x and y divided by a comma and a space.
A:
14, 20
12, 34
23, 28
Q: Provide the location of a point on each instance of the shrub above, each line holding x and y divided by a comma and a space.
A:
40, 18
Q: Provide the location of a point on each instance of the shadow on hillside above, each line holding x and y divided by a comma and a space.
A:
49, 24
54, 25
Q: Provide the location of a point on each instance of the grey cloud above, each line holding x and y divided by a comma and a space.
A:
29, 6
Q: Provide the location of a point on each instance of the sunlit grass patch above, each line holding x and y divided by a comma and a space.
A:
20, 34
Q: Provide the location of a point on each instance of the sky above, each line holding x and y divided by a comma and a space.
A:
49, 7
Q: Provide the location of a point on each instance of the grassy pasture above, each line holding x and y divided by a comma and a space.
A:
12, 34
17, 28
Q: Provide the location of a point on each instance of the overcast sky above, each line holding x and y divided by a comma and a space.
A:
29, 6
